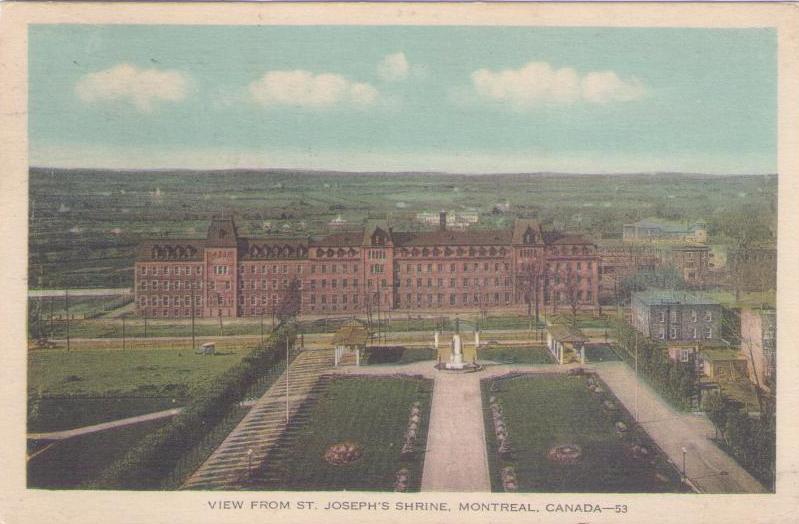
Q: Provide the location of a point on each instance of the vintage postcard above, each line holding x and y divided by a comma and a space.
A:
379, 262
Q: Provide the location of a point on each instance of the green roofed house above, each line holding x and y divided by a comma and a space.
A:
658, 229
677, 316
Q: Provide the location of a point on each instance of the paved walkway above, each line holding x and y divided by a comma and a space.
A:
69, 433
456, 457
709, 468
248, 445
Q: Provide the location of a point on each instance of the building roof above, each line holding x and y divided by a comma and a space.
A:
485, 237
523, 226
720, 355
352, 333
556, 238
657, 297
272, 247
171, 249
343, 239
566, 333
222, 232
667, 226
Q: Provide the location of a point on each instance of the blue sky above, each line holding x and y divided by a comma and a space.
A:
458, 99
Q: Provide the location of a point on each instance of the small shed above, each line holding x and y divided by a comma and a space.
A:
351, 337
209, 348
563, 339
723, 364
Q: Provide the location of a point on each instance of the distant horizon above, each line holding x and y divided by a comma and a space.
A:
334, 172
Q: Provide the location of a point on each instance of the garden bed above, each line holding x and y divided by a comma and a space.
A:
370, 418
563, 437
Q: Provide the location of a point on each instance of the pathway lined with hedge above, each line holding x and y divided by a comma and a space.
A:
230, 464
709, 468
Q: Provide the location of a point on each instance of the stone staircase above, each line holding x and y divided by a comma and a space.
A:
229, 466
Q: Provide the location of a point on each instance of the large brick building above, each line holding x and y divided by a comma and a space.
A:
229, 275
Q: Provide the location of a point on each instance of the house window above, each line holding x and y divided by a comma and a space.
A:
708, 316
661, 316
452, 300
708, 332
662, 333
673, 332
693, 315
685, 355
693, 333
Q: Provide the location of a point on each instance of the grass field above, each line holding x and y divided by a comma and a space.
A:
71, 462
547, 410
372, 412
97, 373
55, 414
516, 355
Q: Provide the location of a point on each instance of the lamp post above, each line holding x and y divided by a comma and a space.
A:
287, 379
684, 452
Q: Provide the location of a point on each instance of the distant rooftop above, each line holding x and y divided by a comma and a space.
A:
657, 297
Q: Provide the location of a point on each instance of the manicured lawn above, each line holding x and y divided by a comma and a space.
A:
370, 411
546, 410
517, 355
398, 355
71, 462
600, 353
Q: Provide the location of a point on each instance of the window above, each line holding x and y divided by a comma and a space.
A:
693, 316
452, 300
685, 355
693, 333
661, 316
661, 333
708, 332
451, 282
708, 316
673, 332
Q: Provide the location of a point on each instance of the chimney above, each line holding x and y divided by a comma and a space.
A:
442, 221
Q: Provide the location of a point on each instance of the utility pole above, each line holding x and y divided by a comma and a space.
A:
193, 286
66, 305
636, 375
287, 378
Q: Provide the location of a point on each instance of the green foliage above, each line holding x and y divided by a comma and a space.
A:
665, 277
675, 381
751, 441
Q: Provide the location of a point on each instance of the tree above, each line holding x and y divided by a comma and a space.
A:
716, 409
289, 306
528, 280
665, 277
570, 287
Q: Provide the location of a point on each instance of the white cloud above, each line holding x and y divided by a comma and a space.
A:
538, 83
393, 67
144, 88
304, 89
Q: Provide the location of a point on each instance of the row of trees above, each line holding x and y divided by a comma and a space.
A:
751, 440
676, 381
